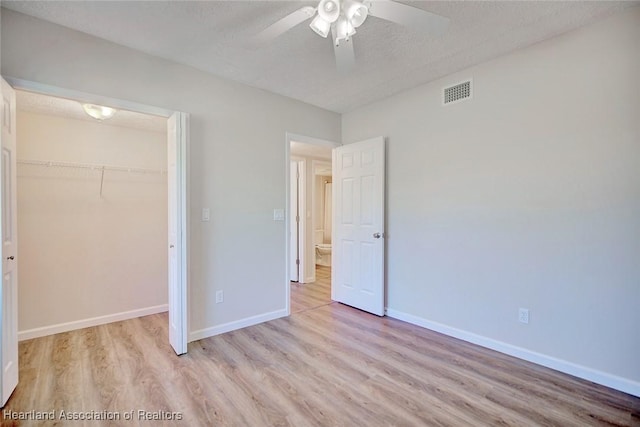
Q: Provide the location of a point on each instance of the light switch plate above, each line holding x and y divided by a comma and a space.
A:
206, 214
278, 214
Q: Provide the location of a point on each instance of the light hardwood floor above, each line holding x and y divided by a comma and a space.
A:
312, 295
324, 366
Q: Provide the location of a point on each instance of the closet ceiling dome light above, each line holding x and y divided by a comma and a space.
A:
99, 112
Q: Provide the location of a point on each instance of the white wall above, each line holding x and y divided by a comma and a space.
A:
82, 255
237, 158
528, 195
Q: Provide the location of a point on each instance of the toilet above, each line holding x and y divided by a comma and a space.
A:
323, 250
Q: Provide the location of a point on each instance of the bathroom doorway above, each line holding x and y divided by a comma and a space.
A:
310, 223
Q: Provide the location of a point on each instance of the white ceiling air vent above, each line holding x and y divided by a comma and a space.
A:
456, 93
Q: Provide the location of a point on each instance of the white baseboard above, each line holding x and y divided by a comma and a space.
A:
238, 324
86, 323
599, 377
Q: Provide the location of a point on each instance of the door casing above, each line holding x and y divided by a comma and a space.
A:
182, 170
290, 137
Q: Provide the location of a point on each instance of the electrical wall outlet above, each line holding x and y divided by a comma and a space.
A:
523, 315
219, 297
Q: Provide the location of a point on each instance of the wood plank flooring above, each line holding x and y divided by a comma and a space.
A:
312, 295
326, 366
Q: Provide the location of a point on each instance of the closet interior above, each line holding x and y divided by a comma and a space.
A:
92, 215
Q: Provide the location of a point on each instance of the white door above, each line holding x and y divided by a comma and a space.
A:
294, 224
357, 274
9, 295
177, 176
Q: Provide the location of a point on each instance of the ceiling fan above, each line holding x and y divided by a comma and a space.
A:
342, 17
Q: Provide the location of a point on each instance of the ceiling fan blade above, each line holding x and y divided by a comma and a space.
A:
345, 57
283, 25
410, 16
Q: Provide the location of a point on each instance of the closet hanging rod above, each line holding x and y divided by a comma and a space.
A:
90, 166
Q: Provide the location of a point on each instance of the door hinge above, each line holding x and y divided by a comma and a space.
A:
297, 218
297, 262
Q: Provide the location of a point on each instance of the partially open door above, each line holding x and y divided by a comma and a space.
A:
357, 274
9, 247
177, 183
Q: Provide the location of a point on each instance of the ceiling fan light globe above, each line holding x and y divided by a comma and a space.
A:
329, 10
320, 26
356, 12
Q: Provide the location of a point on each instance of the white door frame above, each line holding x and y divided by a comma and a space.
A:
182, 171
290, 137
302, 220
296, 240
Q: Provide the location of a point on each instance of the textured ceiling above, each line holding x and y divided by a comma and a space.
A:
44, 104
213, 36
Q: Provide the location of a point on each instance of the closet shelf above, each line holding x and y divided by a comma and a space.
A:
90, 166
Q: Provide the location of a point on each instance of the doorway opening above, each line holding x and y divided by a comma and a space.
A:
309, 222
92, 217
171, 173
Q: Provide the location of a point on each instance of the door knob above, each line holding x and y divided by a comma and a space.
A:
171, 246
10, 258
377, 235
